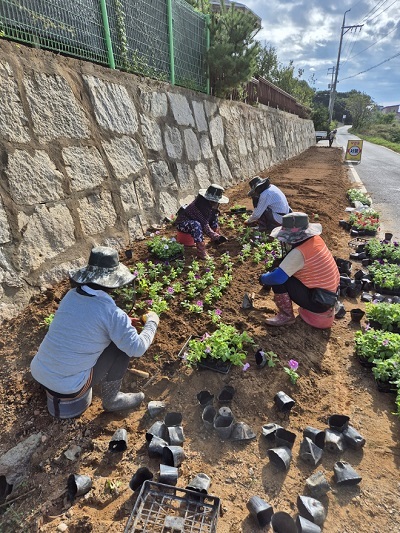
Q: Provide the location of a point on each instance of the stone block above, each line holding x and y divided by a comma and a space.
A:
13, 121
186, 177
169, 204
135, 227
151, 133
84, 167
161, 175
173, 142
96, 213
192, 145
144, 192
5, 234
125, 156
217, 132
206, 147
180, 109
155, 103
199, 116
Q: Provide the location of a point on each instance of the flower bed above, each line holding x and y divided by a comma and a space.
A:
365, 222
355, 195
386, 277
376, 249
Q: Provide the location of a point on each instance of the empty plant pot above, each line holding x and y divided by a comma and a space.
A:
241, 431
156, 446
365, 262
260, 358
344, 265
269, 430
310, 452
353, 438
176, 436
173, 419
366, 297
280, 457
316, 435
158, 429
345, 474
282, 522
225, 411
388, 236
77, 485
355, 288
200, 483
283, 402
226, 395
344, 224
318, 485
334, 441
173, 456
155, 408
283, 437
260, 510
139, 477
312, 509
223, 425
340, 311
205, 398
119, 441
208, 416
306, 526
359, 274
338, 422
168, 475
356, 314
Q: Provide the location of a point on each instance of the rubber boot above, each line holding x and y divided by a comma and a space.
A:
114, 400
285, 315
201, 250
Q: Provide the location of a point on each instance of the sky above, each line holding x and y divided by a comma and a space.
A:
308, 32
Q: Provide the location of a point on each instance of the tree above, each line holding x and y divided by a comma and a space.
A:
232, 57
320, 117
361, 107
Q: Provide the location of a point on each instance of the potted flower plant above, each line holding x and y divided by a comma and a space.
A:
386, 277
381, 249
164, 248
385, 372
355, 195
373, 345
384, 316
365, 222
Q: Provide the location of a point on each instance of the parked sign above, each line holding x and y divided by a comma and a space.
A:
354, 150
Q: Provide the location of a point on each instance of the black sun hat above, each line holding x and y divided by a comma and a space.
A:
258, 183
103, 269
214, 194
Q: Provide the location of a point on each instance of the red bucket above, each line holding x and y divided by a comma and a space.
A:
185, 238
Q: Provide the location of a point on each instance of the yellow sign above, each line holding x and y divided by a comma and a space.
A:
354, 150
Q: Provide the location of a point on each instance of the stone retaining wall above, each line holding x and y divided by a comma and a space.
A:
94, 156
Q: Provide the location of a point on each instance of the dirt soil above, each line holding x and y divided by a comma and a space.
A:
331, 381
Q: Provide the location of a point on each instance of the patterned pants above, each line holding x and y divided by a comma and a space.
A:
193, 227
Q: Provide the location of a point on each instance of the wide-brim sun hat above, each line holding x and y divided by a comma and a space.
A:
257, 182
214, 194
296, 228
103, 269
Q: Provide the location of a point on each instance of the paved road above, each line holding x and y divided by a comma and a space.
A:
379, 171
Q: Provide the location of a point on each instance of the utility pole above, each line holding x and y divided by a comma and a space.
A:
331, 85
333, 89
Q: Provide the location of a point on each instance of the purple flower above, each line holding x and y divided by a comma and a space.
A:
197, 276
208, 349
199, 303
218, 312
293, 364
367, 327
205, 336
207, 270
385, 342
149, 302
246, 367
170, 290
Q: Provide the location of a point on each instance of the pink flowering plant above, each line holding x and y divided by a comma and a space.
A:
375, 345
291, 371
385, 315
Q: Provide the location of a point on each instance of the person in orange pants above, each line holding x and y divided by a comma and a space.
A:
308, 274
201, 218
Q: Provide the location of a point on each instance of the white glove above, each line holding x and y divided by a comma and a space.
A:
151, 316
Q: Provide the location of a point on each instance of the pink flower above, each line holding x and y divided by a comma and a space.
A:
170, 290
385, 342
205, 336
208, 349
149, 302
218, 312
199, 303
294, 365
246, 367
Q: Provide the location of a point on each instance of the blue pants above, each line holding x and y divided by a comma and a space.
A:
194, 228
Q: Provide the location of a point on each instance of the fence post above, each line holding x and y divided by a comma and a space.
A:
171, 42
111, 61
208, 18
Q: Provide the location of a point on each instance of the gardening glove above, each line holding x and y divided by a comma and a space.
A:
136, 323
221, 239
151, 316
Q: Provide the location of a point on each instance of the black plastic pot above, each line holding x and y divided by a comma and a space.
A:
385, 386
310, 452
344, 265
205, 398
359, 275
280, 457
344, 224
334, 441
226, 395
283, 437
316, 435
242, 432
366, 297
338, 422
168, 475
260, 510
223, 425
77, 485
345, 281
173, 419
355, 288
155, 408
208, 416
269, 430
119, 441
353, 438
139, 477
283, 402
282, 522
260, 358
158, 429
340, 310
318, 485
365, 262
173, 456
388, 236
156, 446
364, 362
311, 509
176, 436
200, 483
356, 314
345, 474
306, 526
358, 256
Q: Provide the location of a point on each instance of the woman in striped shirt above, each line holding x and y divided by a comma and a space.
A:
307, 266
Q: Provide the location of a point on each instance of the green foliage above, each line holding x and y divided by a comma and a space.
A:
225, 344
387, 315
232, 56
376, 344
377, 249
355, 195
48, 320
361, 107
164, 248
385, 275
387, 370
320, 117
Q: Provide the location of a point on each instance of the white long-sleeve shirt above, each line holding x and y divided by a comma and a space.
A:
273, 198
82, 328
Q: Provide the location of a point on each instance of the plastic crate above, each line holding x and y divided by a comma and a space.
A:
163, 508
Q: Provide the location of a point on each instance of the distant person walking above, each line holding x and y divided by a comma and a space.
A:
331, 137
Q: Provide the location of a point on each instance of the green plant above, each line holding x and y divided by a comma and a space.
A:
215, 315
387, 370
365, 220
377, 249
164, 248
271, 358
225, 343
48, 320
355, 195
376, 344
386, 314
291, 371
385, 275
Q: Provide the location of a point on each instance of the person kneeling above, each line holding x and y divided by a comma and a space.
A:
91, 341
308, 274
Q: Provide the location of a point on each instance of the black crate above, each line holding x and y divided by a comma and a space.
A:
163, 508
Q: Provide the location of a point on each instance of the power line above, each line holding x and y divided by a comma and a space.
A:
363, 50
373, 18
368, 69
371, 11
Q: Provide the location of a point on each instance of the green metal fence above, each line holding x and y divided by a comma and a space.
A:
162, 39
